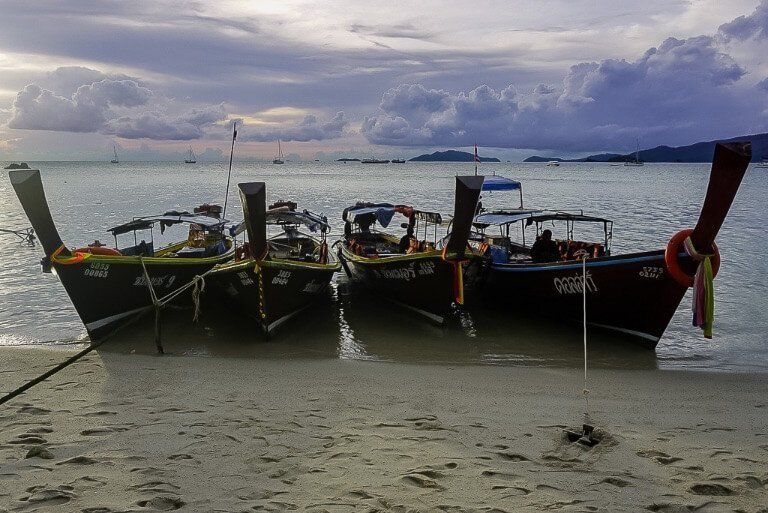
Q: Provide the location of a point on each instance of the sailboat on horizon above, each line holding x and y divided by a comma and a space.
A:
636, 161
114, 160
191, 157
279, 159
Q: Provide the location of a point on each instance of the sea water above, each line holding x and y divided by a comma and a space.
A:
647, 205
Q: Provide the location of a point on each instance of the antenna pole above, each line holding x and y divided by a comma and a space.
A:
229, 175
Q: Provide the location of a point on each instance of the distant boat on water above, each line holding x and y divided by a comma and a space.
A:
279, 159
191, 157
14, 165
398, 161
636, 161
114, 160
553, 163
374, 161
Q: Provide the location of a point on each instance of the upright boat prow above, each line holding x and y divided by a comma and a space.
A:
275, 278
418, 274
108, 286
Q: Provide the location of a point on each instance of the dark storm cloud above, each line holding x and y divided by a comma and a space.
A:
745, 27
673, 93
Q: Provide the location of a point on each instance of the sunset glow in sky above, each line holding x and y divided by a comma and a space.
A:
388, 78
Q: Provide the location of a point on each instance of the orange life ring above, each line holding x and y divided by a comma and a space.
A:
99, 250
672, 261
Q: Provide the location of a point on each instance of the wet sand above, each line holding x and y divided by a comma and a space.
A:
122, 432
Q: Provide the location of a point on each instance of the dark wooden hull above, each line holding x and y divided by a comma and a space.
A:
422, 281
631, 294
275, 290
109, 291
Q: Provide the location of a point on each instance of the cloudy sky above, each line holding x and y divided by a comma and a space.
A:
338, 77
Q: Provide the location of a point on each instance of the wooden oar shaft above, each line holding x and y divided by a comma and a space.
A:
728, 167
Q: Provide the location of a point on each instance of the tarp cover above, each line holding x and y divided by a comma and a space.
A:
382, 214
499, 183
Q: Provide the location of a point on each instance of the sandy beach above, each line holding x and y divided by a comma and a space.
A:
119, 432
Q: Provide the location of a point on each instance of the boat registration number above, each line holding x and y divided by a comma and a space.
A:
654, 273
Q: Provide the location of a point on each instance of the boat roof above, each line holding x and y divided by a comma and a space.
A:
384, 212
500, 183
530, 216
167, 219
285, 216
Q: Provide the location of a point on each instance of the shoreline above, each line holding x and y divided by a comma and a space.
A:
147, 433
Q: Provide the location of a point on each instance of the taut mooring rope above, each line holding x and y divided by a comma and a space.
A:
585, 390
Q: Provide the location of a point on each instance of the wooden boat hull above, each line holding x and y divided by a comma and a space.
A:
631, 294
423, 282
273, 291
108, 292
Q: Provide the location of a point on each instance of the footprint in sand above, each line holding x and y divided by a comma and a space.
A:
511, 456
78, 460
710, 489
48, 497
616, 481
162, 503
660, 457
422, 481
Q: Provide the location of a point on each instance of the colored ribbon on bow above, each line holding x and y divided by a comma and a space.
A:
703, 289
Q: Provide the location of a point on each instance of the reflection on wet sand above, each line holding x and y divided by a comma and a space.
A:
357, 326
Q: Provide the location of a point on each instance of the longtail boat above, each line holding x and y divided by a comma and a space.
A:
635, 294
110, 286
274, 278
422, 275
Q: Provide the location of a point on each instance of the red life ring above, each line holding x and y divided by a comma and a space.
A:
99, 250
672, 261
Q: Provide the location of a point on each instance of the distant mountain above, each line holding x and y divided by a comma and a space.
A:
451, 156
697, 152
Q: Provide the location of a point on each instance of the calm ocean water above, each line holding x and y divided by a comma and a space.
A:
647, 205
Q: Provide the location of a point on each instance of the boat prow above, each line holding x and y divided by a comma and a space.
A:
273, 279
417, 274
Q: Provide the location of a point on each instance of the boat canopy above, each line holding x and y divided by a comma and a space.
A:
285, 216
383, 213
167, 219
505, 217
500, 183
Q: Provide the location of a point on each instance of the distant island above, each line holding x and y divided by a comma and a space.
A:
693, 153
347, 160
451, 156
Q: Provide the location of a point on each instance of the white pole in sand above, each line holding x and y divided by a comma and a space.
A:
585, 391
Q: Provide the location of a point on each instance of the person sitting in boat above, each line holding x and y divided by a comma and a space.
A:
407, 240
545, 249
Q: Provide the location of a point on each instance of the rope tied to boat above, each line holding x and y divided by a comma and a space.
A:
585, 389
197, 291
703, 306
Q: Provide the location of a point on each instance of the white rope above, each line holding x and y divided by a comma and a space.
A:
177, 292
585, 390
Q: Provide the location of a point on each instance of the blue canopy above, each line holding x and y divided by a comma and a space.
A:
499, 183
